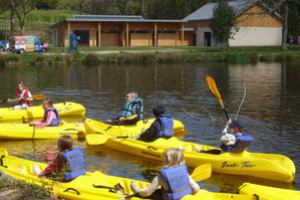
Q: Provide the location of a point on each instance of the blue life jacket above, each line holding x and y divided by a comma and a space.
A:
75, 163
55, 122
127, 109
242, 143
167, 126
178, 181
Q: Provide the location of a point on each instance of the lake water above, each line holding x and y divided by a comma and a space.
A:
270, 112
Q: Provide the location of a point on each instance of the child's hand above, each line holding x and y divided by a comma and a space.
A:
121, 119
8, 100
229, 121
108, 121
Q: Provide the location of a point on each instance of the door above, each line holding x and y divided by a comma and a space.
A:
207, 39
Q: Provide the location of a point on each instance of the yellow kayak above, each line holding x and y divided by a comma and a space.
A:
269, 193
268, 166
136, 129
64, 109
83, 186
26, 132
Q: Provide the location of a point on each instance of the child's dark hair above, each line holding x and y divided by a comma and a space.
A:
65, 143
48, 102
158, 110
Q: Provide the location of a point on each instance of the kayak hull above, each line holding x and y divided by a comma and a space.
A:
267, 166
269, 193
123, 130
64, 109
26, 132
85, 184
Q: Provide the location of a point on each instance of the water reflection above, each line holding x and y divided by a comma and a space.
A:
270, 111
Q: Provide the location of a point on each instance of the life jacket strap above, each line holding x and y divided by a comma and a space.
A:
75, 170
180, 190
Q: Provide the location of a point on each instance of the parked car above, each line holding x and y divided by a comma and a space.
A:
22, 44
3, 45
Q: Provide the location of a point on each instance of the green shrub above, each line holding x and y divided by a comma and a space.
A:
91, 59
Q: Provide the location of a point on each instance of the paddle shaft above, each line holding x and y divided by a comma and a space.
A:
35, 96
126, 136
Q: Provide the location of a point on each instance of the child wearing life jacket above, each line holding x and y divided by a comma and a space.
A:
68, 164
235, 141
173, 178
162, 127
24, 97
51, 116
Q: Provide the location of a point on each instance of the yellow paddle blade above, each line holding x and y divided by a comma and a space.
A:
201, 172
213, 87
95, 139
3, 152
38, 96
131, 117
181, 133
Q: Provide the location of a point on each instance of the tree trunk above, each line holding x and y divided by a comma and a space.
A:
285, 27
12, 23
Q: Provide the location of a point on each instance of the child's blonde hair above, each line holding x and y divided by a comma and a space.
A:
48, 102
173, 158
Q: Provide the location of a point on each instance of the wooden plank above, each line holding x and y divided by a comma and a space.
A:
182, 35
127, 34
155, 34
99, 34
68, 36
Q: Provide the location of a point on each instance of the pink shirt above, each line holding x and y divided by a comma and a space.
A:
50, 117
51, 167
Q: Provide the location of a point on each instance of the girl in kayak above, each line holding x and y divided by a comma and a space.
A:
51, 116
173, 177
24, 97
68, 164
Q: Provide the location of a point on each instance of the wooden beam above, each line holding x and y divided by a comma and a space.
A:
155, 34
99, 34
127, 34
182, 34
68, 36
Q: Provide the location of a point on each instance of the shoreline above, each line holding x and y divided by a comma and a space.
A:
151, 56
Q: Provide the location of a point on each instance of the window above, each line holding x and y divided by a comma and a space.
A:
172, 32
143, 31
110, 31
84, 36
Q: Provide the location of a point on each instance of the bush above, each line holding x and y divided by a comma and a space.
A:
12, 58
2, 61
40, 58
91, 59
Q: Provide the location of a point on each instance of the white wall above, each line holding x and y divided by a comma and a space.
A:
257, 36
247, 36
54, 38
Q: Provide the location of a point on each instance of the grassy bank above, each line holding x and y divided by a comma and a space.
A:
146, 55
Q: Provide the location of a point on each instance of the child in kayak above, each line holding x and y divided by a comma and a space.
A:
68, 164
51, 116
173, 178
161, 127
24, 97
235, 141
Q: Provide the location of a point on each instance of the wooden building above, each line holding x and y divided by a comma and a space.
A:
258, 26
118, 30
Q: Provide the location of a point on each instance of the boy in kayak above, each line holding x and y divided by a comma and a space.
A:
24, 97
133, 106
236, 141
161, 127
51, 116
173, 178
68, 164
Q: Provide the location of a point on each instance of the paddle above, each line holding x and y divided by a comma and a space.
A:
98, 139
35, 96
125, 119
200, 173
213, 87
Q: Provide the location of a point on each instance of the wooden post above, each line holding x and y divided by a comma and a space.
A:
155, 34
127, 34
182, 34
68, 36
99, 34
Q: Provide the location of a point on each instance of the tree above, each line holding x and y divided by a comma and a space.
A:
283, 7
46, 4
21, 8
223, 23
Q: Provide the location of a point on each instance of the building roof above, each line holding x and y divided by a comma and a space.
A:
206, 12
114, 18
